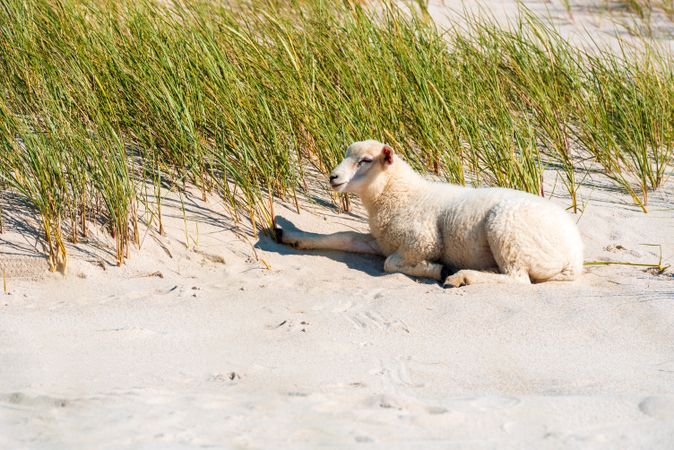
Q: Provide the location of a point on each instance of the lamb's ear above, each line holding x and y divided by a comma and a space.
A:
388, 155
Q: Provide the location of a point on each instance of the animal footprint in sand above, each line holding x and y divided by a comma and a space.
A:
373, 319
399, 373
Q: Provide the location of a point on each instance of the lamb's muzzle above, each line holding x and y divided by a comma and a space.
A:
429, 229
335, 181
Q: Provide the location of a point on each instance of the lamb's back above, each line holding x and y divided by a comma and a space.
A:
462, 220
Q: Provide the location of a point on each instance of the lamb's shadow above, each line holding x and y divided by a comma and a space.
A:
370, 264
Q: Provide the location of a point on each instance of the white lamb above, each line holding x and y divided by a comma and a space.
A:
431, 229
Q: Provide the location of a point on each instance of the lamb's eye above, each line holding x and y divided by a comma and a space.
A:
364, 161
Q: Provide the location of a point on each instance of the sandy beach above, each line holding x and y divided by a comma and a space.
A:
212, 336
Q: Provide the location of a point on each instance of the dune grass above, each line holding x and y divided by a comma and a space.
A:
101, 99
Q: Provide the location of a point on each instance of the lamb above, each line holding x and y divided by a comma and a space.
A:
454, 234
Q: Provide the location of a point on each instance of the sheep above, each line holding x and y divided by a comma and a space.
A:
453, 234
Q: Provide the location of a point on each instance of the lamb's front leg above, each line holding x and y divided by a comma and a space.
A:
425, 269
466, 277
345, 241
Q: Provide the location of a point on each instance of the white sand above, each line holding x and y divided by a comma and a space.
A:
325, 350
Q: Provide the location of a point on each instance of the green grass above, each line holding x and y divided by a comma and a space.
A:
99, 99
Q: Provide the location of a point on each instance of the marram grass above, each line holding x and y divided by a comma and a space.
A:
100, 99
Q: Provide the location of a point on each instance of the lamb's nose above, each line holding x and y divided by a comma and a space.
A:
333, 177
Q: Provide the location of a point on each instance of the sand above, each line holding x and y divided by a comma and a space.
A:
224, 341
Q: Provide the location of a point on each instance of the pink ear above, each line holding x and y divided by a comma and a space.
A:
388, 154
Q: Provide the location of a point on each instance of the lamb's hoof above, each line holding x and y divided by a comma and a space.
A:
447, 271
285, 238
456, 280
278, 235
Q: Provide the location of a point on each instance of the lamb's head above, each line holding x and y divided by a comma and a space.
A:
365, 164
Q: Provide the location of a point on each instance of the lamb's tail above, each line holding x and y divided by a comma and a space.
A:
568, 273
573, 269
